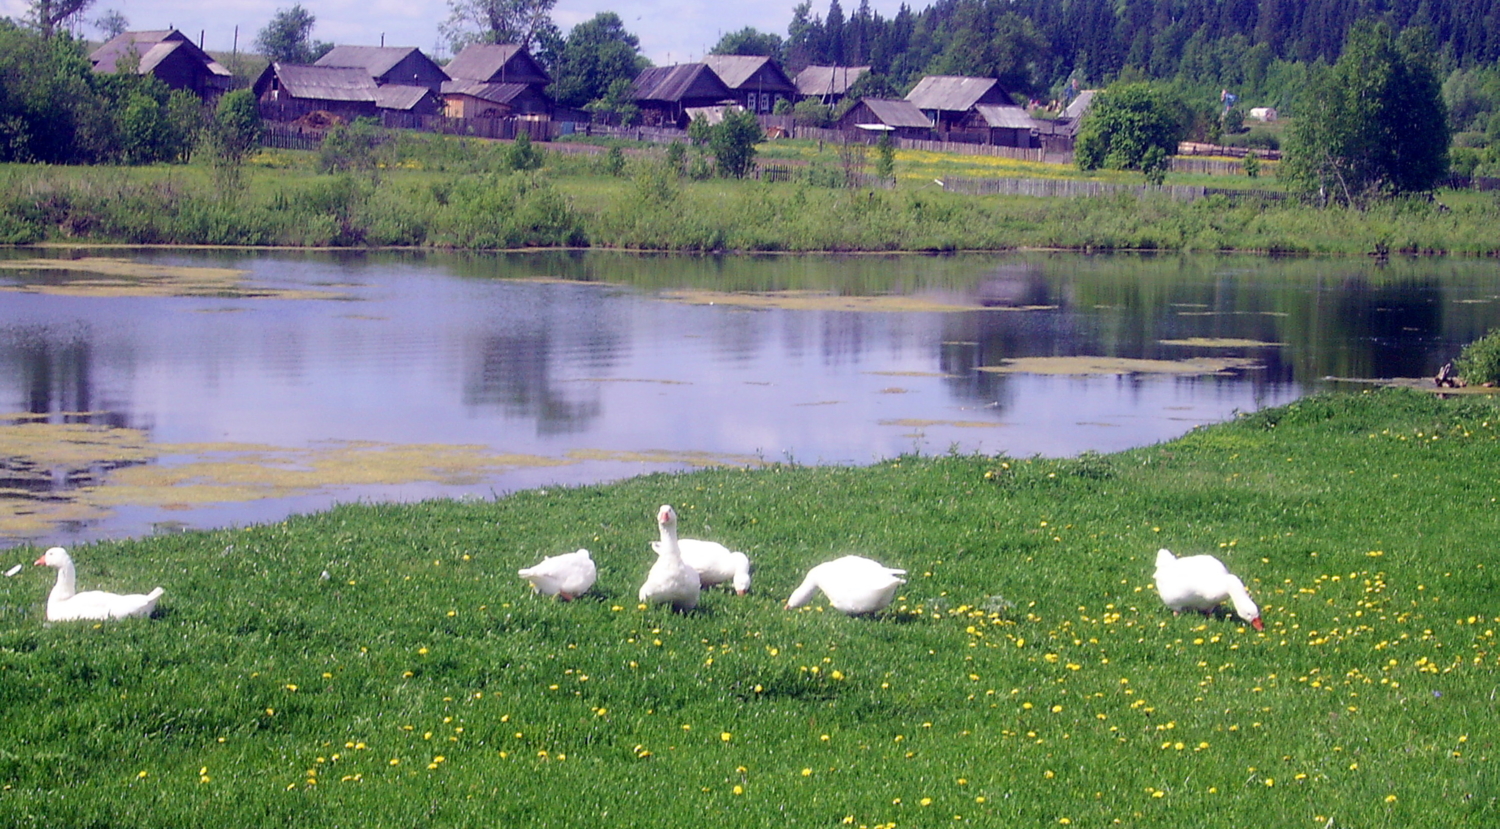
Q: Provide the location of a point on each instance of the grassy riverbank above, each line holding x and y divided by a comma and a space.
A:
1026, 676
443, 196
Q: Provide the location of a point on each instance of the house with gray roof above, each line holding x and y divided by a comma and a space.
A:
664, 93
900, 118
755, 81
1003, 126
948, 99
405, 65
477, 99
287, 91
496, 81
168, 55
827, 84
412, 100
497, 63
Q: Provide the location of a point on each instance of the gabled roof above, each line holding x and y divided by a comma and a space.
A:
674, 83
1005, 117
955, 93
495, 93
323, 83
152, 47
1080, 104
493, 62
827, 80
745, 71
897, 113
375, 60
399, 96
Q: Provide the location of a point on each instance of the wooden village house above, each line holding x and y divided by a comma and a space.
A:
401, 65
288, 91
1002, 126
827, 84
665, 93
756, 83
900, 118
496, 80
169, 56
949, 100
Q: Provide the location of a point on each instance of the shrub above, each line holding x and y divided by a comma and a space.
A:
1479, 362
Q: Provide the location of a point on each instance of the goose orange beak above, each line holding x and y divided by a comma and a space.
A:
41, 562
1257, 623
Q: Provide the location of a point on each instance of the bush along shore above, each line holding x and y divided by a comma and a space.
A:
383, 665
282, 200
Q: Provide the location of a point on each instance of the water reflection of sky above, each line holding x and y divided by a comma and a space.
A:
436, 350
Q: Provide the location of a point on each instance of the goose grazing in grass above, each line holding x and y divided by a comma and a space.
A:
567, 576
714, 562
65, 603
853, 585
671, 581
1200, 583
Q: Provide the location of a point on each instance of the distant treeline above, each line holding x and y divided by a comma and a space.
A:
1258, 48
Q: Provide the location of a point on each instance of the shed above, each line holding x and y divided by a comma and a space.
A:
413, 100
405, 65
1004, 126
1263, 113
902, 117
168, 55
476, 99
948, 99
828, 84
497, 63
756, 82
665, 92
287, 91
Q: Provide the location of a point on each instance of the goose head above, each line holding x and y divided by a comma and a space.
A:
54, 557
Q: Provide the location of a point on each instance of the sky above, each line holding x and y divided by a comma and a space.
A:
670, 31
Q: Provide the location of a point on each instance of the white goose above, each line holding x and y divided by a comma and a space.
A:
853, 584
65, 603
714, 562
566, 576
1200, 583
671, 581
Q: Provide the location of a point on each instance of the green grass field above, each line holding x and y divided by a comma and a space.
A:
1026, 676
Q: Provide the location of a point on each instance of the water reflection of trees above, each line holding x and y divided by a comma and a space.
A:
54, 374
515, 374
51, 376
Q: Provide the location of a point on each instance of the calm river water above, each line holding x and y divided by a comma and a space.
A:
135, 403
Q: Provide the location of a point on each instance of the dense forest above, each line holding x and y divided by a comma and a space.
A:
1260, 49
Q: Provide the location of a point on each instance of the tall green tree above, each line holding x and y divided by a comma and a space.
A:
749, 41
521, 22
231, 136
1374, 124
596, 53
288, 37
1132, 126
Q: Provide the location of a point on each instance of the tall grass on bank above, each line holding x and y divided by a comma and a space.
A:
653, 208
383, 666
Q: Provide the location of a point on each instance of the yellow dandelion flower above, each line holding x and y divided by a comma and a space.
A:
926, 801
807, 772
1390, 798
725, 736
738, 789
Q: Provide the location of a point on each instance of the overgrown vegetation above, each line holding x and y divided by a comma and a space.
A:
408, 198
1479, 362
383, 665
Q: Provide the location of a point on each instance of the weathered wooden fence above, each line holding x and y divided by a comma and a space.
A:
1063, 188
